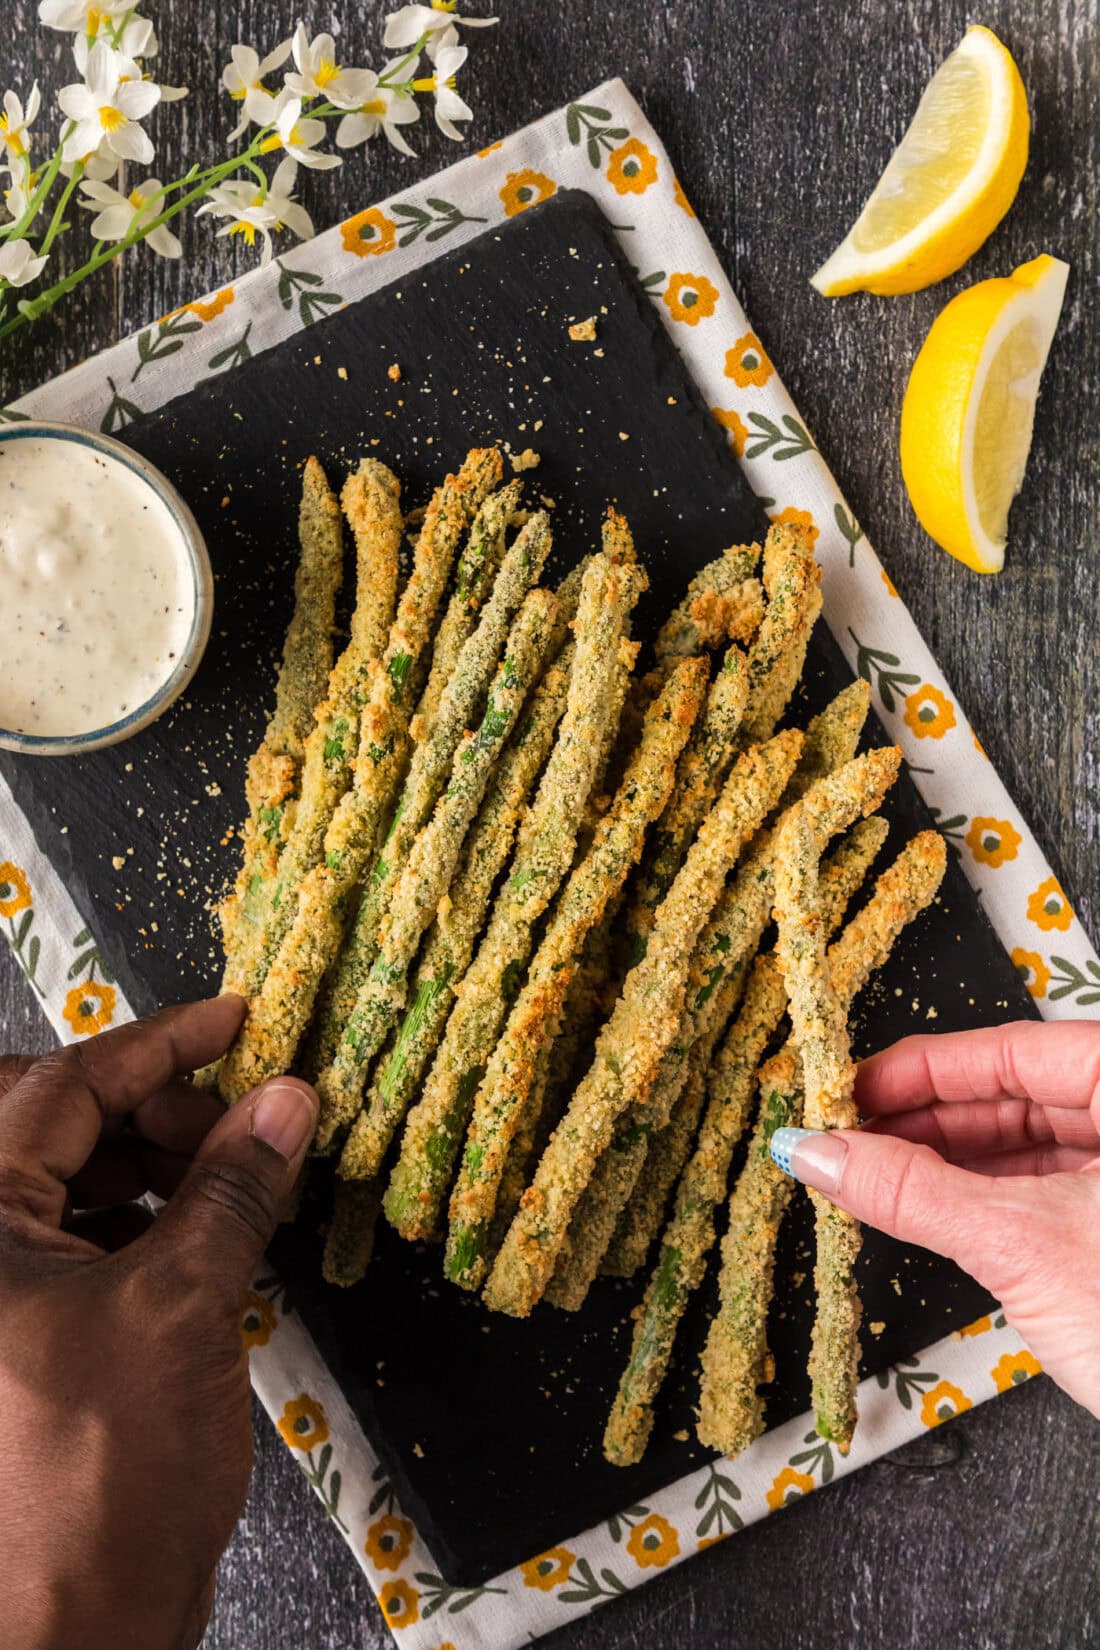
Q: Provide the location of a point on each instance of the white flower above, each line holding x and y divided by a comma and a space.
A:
18, 192
100, 164
16, 122
106, 109
132, 47
18, 264
299, 137
319, 74
79, 16
243, 78
449, 107
119, 214
405, 27
252, 211
382, 110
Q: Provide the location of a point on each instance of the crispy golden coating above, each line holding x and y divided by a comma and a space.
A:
644, 1020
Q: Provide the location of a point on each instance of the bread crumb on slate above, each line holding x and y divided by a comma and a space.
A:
342, 372
394, 374
584, 332
877, 1327
118, 861
527, 460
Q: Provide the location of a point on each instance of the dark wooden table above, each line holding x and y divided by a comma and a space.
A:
778, 118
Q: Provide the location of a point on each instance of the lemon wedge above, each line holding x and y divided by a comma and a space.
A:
969, 408
948, 184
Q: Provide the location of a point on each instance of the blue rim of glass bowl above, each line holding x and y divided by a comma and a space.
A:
73, 744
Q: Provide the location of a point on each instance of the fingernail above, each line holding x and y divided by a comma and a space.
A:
813, 1156
283, 1117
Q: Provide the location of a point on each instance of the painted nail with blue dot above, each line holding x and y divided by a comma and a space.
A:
814, 1156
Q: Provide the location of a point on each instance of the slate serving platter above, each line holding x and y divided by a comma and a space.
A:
490, 1429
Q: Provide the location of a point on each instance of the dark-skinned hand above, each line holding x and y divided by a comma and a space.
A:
123, 1379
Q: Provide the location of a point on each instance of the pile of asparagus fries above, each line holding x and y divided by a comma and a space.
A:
502, 899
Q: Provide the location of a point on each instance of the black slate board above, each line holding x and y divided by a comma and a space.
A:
489, 1428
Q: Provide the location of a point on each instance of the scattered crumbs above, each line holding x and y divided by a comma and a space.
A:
877, 1327
394, 374
213, 789
672, 402
118, 861
584, 332
528, 459
537, 425
226, 501
418, 1452
598, 352
933, 1014
316, 360
623, 436
895, 1285
342, 372
682, 1436
129, 767
547, 503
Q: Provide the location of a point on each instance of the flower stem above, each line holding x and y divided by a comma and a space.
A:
59, 209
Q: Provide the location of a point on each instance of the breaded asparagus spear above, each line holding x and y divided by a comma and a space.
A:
420, 888
669, 1150
717, 974
453, 937
831, 739
280, 1012
792, 579
431, 761
723, 603
274, 769
474, 574
506, 1087
544, 853
370, 499
702, 771
736, 1359
636, 1036
690, 1234
349, 1241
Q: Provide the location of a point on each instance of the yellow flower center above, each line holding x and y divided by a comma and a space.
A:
444, 5
137, 199
275, 141
326, 72
94, 18
110, 118
377, 106
430, 83
248, 230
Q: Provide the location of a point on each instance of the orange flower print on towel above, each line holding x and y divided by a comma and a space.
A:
980, 1326
1049, 908
524, 189
790, 517
631, 168
747, 364
992, 841
738, 430
928, 712
400, 1604
790, 1485
941, 1402
389, 1542
1032, 970
89, 1008
681, 199
548, 1570
209, 309
369, 233
653, 1542
15, 890
302, 1424
1015, 1368
257, 1320
689, 298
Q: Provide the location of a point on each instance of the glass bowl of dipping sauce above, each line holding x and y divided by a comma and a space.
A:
107, 591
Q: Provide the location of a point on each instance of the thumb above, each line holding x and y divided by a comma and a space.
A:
909, 1192
225, 1212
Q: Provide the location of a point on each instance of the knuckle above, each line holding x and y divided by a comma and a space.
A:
241, 1195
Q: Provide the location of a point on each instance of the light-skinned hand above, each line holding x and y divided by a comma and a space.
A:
985, 1146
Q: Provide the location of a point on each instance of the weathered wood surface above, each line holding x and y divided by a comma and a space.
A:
778, 117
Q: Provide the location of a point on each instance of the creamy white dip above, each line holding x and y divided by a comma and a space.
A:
98, 590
